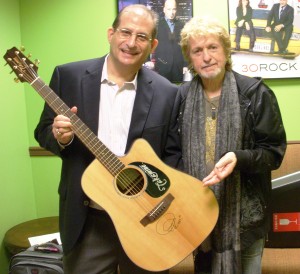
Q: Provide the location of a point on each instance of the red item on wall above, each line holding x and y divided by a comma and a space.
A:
283, 222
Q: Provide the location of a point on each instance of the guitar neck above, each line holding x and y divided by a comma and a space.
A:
87, 137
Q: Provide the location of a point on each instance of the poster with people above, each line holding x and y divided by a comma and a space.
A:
167, 60
265, 37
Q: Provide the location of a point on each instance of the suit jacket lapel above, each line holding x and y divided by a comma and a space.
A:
91, 94
142, 103
284, 12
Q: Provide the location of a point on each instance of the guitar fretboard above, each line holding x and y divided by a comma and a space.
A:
87, 137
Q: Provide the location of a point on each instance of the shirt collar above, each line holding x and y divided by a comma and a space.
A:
170, 21
104, 76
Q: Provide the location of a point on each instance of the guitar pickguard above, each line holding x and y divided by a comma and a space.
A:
158, 182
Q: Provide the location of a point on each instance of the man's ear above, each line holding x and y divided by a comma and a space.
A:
110, 33
154, 45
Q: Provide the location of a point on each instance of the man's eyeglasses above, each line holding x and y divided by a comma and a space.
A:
140, 37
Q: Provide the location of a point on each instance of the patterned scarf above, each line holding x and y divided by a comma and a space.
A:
225, 238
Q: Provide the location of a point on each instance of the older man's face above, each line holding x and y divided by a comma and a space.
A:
207, 56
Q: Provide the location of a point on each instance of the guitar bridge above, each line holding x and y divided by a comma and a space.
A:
158, 210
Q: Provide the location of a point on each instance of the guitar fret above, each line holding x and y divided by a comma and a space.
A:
38, 89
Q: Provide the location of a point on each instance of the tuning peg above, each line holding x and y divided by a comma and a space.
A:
22, 48
29, 55
36, 61
17, 80
8, 59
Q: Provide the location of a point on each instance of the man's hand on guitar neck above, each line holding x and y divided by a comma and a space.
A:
62, 129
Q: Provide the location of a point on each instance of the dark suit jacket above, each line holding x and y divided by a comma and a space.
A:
169, 60
286, 18
240, 15
78, 84
248, 18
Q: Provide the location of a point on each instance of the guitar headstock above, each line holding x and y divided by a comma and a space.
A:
25, 70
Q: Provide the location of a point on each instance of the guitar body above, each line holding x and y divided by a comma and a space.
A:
167, 215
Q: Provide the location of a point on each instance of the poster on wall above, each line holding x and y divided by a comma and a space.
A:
167, 59
265, 37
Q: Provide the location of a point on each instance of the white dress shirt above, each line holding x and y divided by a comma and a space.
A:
116, 105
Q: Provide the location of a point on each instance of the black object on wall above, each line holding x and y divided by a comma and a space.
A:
285, 206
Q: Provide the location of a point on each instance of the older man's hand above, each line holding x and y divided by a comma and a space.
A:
222, 169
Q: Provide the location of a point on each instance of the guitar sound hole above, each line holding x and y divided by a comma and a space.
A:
130, 182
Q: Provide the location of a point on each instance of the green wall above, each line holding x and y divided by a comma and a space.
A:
56, 32
17, 195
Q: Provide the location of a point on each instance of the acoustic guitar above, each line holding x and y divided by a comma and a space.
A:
161, 214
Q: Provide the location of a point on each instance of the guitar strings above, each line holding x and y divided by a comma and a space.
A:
111, 162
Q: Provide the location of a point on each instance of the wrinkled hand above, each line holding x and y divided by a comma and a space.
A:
62, 128
222, 169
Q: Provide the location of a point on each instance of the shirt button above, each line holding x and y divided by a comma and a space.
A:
86, 203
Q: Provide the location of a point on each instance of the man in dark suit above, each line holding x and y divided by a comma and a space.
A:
280, 22
120, 101
169, 61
